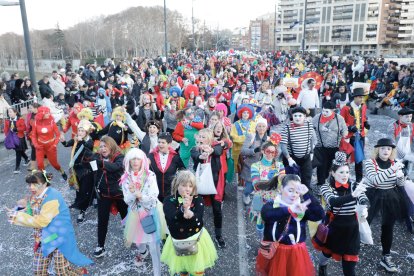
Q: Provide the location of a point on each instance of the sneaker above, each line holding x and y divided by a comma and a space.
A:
140, 258
64, 176
81, 217
16, 171
388, 264
26, 162
246, 199
220, 242
99, 252
240, 188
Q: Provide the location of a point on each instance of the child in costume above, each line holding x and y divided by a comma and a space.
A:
45, 137
262, 172
47, 213
139, 186
184, 133
285, 218
80, 170
118, 130
86, 114
241, 128
73, 120
184, 211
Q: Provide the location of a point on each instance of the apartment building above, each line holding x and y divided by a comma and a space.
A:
340, 26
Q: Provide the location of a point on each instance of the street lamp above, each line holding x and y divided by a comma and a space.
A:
26, 33
304, 27
165, 31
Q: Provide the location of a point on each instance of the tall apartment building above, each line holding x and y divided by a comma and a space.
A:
341, 26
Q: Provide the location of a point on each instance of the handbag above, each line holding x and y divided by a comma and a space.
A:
11, 141
365, 232
204, 179
186, 247
268, 248
322, 231
148, 224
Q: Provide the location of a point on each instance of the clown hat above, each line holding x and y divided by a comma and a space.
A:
86, 113
86, 125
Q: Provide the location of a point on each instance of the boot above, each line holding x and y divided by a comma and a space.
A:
323, 270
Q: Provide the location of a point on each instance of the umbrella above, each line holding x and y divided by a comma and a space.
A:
310, 75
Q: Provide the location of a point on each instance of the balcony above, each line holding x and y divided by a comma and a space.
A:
391, 34
392, 28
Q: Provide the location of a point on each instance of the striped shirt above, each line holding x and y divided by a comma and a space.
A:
300, 141
381, 178
348, 207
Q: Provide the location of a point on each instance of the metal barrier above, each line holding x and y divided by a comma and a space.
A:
22, 108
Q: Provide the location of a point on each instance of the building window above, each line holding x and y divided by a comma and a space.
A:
356, 17
355, 33
362, 14
361, 32
328, 16
327, 33
323, 34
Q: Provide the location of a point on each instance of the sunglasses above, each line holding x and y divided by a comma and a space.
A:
270, 152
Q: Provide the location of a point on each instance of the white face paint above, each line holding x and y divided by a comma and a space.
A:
298, 118
327, 112
384, 152
406, 119
341, 175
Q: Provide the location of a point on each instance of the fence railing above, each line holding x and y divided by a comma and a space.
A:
22, 108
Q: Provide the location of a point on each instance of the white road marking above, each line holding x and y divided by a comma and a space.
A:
241, 222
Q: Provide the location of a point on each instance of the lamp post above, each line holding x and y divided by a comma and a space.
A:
165, 31
26, 33
304, 27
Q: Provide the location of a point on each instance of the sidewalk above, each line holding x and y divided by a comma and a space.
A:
2, 138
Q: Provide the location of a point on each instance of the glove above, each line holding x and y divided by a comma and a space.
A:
291, 162
311, 156
359, 190
256, 150
364, 213
367, 125
352, 129
397, 166
399, 173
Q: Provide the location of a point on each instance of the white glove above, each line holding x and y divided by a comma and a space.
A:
399, 174
364, 213
291, 162
397, 166
359, 190
311, 156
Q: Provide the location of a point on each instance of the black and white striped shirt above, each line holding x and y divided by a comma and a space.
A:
381, 178
301, 139
348, 207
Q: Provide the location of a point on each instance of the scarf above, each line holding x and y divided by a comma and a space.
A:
324, 119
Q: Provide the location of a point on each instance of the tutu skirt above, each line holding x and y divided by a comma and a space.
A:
343, 241
134, 233
205, 257
389, 203
289, 260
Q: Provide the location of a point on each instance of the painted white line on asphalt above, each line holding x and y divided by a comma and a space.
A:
241, 223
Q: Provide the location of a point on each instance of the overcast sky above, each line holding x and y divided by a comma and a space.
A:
44, 14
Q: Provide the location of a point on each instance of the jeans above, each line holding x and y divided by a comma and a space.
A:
248, 188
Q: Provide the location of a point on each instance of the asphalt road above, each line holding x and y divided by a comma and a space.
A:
237, 259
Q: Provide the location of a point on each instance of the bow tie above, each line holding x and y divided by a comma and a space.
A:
339, 185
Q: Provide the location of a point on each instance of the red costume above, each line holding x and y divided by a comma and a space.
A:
348, 114
20, 126
73, 120
45, 137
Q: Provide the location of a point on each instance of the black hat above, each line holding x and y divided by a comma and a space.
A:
405, 111
358, 92
329, 105
299, 109
385, 142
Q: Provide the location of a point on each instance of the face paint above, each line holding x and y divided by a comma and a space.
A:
298, 118
327, 112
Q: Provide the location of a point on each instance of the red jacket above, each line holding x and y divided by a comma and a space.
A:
19, 125
178, 133
347, 113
